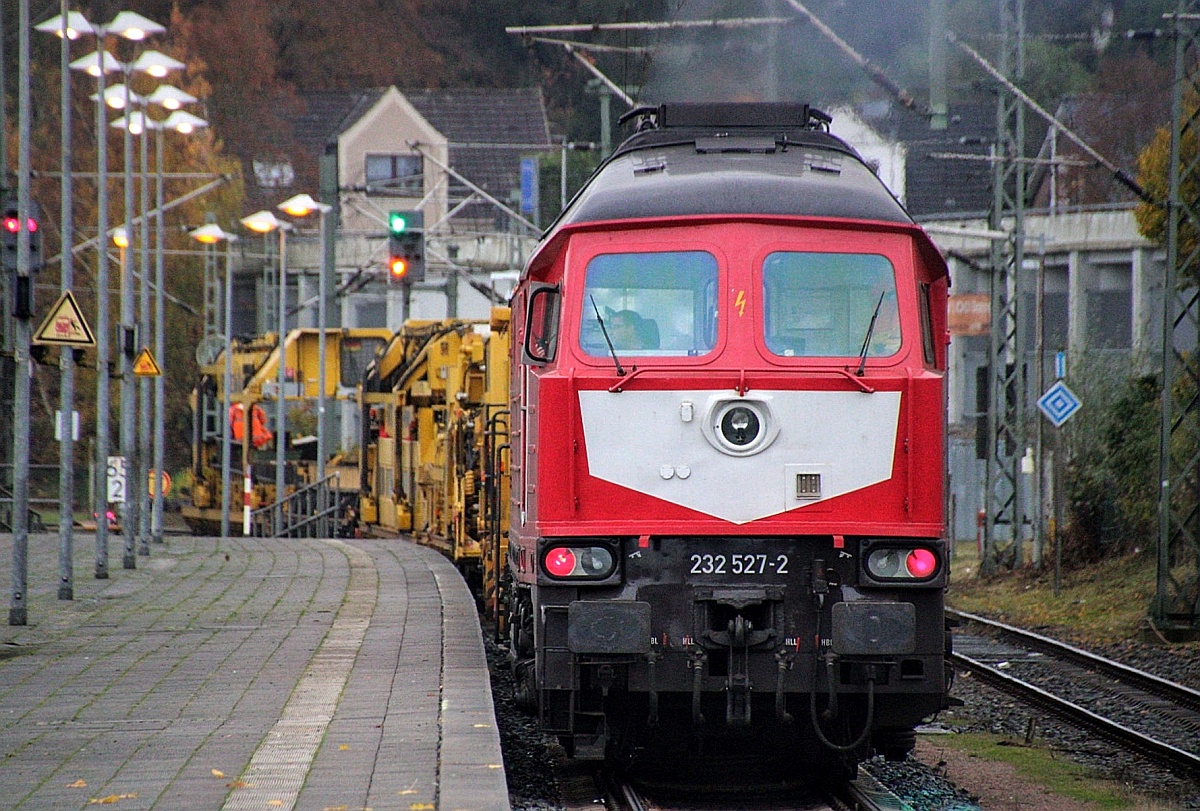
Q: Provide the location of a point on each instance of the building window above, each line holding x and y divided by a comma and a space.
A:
395, 174
1109, 303
1109, 319
274, 174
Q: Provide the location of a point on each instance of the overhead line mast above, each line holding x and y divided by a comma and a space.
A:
1176, 606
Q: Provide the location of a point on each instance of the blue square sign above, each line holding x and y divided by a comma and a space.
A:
1058, 403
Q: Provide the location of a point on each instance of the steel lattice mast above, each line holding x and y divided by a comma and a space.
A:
1177, 600
1006, 372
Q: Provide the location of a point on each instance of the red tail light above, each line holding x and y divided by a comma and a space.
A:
921, 563
902, 564
560, 562
582, 562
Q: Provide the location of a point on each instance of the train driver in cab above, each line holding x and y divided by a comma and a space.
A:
629, 331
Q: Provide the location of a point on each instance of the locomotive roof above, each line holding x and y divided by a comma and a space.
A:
769, 159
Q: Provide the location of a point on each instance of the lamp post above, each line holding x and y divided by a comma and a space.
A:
135, 434
210, 235
303, 205
121, 238
68, 25
23, 286
100, 62
97, 64
136, 123
263, 222
178, 120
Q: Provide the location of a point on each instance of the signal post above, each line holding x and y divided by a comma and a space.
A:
406, 253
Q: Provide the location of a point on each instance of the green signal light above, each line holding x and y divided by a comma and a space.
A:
397, 222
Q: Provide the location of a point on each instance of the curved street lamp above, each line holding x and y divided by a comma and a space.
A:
182, 122
211, 234
302, 205
264, 222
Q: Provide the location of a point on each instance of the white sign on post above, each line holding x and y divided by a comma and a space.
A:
116, 479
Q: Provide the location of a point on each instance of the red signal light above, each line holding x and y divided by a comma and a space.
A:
398, 266
12, 225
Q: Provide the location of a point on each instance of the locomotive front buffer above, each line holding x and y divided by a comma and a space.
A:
807, 653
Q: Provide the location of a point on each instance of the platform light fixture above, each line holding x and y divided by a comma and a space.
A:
303, 205
211, 234
264, 222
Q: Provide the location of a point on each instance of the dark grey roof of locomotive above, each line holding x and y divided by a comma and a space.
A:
682, 171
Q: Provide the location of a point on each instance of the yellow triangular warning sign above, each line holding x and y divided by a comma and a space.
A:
144, 365
65, 325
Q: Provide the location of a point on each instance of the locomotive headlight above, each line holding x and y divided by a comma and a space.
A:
741, 426
899, 564
579, 562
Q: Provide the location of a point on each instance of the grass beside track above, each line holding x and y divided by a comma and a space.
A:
1105, 603
1036, 763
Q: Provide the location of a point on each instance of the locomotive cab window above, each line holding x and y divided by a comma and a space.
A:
830, 305
650, 304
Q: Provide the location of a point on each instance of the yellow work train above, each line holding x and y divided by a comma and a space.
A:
435, 442
432, 456
254, 380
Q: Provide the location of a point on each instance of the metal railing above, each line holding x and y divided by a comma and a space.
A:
36, 524
312, 511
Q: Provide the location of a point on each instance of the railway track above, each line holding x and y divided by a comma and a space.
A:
589, 787
1130, 708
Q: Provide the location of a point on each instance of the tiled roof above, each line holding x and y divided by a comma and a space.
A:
934, 184
476, 121
327, 113
484, 115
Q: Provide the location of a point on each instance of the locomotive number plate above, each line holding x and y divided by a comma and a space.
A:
740, 564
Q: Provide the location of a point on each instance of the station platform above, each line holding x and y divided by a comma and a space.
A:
247, 673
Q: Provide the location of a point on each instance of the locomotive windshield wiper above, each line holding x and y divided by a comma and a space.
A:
866, 344
608, 340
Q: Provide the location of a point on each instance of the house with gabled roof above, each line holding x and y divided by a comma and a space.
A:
454, 154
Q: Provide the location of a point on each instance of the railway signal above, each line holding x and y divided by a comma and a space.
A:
10, 231
406, 246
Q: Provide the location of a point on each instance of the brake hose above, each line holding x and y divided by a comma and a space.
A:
816, 723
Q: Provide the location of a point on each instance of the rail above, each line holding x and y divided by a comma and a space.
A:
1179, 760
1171, 691
311, 511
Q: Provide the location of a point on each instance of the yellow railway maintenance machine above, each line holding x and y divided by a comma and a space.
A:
435, 441
348, 353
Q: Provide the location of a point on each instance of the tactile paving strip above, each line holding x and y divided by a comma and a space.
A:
280, 764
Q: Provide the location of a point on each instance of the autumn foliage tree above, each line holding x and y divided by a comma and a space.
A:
1154, 175
201, 156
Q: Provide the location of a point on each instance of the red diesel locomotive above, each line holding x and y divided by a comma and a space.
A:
727, 517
